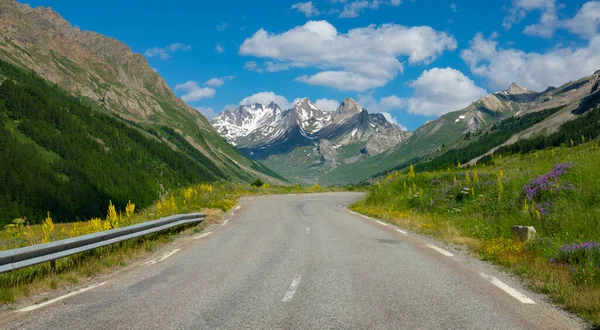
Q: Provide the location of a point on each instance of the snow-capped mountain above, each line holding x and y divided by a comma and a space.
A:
254, 120
264, 131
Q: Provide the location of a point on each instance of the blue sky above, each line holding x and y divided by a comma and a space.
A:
413, 59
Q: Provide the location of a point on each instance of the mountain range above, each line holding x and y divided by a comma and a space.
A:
306, 136
349, 145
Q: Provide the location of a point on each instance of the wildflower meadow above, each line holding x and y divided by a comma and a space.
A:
556, 190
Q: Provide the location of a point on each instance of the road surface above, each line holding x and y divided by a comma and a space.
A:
300, 262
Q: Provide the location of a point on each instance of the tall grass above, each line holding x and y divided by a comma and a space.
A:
557, 191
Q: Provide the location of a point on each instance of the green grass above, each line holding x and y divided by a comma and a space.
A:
479, 212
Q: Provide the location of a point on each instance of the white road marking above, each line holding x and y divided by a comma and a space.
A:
34, 307
232, 213
516, 294
165, 256
381, 223
225, 222
401, 231
293, 287
202, 235
237, 207
440, 250
307, 230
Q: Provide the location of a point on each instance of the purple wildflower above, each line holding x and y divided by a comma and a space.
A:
578, 254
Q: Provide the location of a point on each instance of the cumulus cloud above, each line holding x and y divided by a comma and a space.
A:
441, 90
192, 92
361, 59
587, 20
533, 70
326, 104
266, 98
388, 116
219, 49
306, 8
392, 102
218, 82
165, 53
548, 17
207, 112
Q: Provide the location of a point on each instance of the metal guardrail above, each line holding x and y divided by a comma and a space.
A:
36, 254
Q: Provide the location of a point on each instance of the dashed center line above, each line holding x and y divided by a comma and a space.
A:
34, 307
292, 291
225, 222
202, 235
307, 230
401, 231
514, 293
440, 250
165, 256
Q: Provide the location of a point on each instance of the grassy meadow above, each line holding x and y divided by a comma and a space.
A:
555, 190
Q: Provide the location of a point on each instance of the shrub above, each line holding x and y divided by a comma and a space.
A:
257, 183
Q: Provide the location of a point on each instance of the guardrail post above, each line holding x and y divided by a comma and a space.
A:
52, 267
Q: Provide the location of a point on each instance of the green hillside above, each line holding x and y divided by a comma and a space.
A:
60, 155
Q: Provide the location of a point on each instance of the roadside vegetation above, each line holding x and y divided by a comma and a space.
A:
555, 190
212, 199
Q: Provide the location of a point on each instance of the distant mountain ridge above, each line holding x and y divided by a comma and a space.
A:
310, 145
306, 136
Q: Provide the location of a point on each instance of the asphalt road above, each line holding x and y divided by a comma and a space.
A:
301, 262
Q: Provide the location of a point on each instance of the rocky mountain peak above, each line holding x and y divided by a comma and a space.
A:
348, 108
516, 89
273, 105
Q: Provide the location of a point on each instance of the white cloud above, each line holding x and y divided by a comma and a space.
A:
436, 92
535, 71
365, 57
219, 49
222, 26
392, 102
156, 51
453, 7
252, 66
547, 24
218, 82
266, 98
587, 20
441, 90
306, 8
207, 112
193, 92
326, 104
388, 116
353, 9
342, 80
166, 52
179, 46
